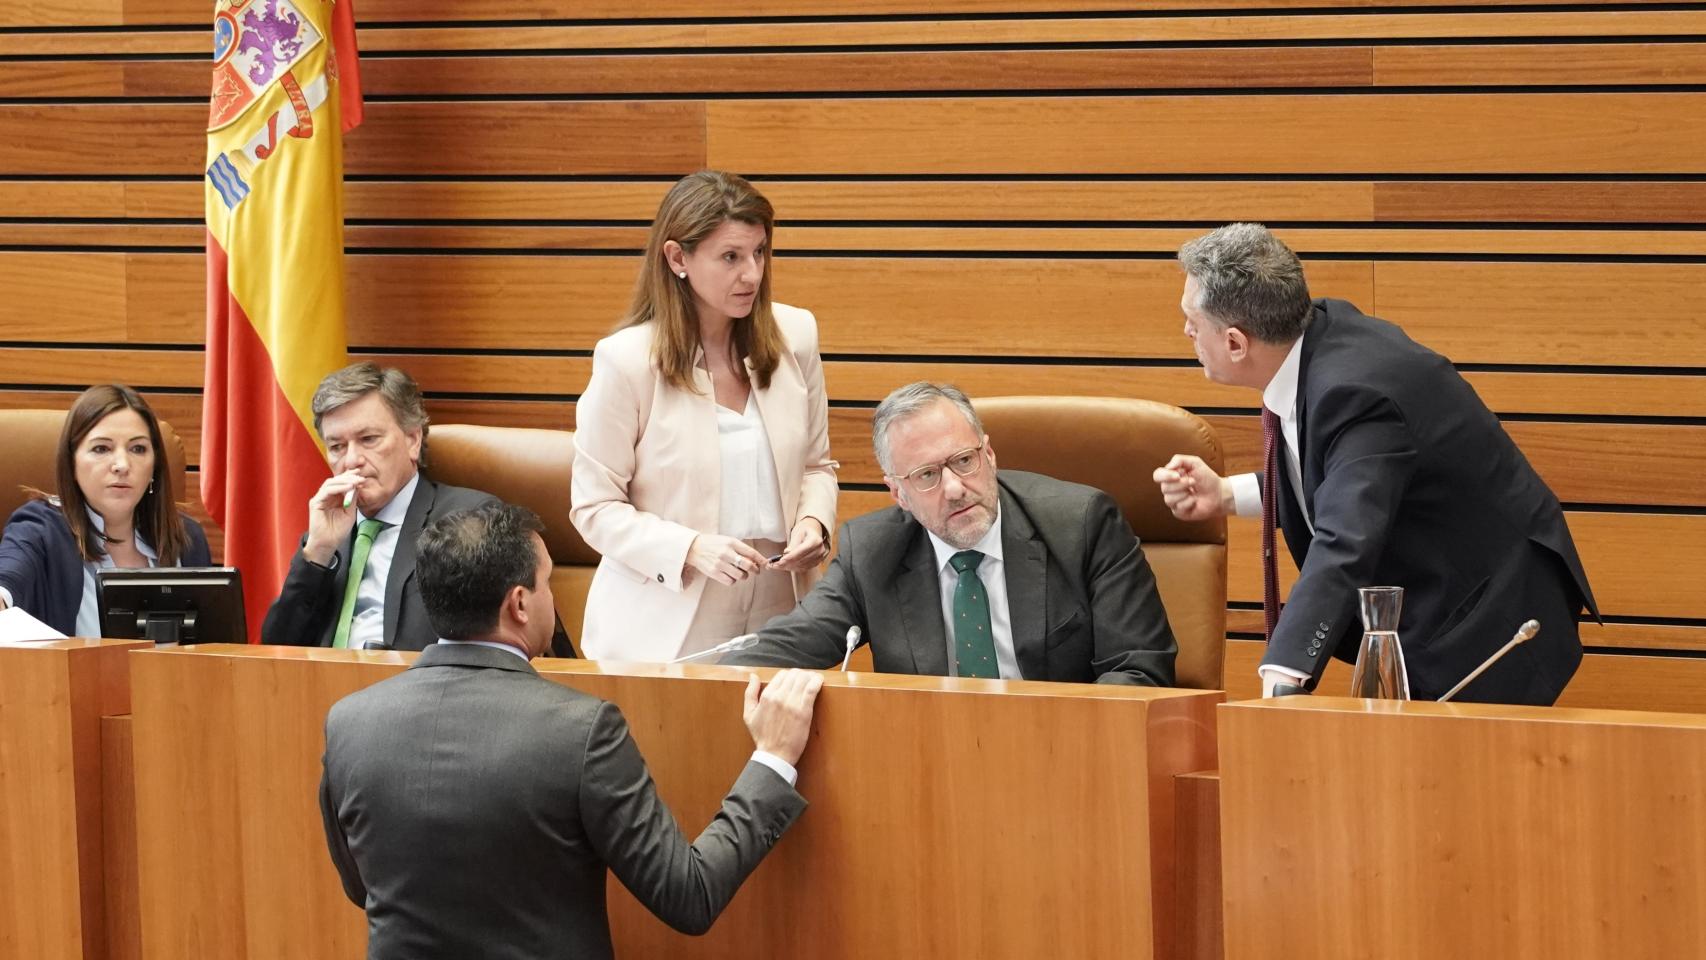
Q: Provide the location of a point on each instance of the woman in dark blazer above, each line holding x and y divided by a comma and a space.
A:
116, 508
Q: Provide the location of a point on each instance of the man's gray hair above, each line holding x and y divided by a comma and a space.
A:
1249, 280
399, 391
909, 400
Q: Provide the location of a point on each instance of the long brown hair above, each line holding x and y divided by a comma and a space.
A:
157, 518
697, 205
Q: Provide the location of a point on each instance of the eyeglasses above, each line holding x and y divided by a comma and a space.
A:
926, 478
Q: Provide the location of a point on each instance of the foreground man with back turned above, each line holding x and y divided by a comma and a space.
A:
1390, 472
1017, 576
472, 806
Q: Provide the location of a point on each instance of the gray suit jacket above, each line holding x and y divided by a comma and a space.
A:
1080, 594
472, 806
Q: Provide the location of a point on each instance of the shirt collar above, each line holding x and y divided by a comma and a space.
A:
1280, 395
393, 513
484, 643
142, 546
989, 546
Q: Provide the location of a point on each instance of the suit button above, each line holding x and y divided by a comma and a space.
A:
1313, 651
1320, 634
1322, 625
660, 578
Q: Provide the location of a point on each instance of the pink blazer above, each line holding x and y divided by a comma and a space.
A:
646, 478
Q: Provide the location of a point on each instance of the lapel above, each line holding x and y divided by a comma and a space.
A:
920, 592
1025, 563
403, 560
1292, 524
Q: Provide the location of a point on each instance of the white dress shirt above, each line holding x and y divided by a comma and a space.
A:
993, 572
1280, 396
751, 497
89, 611
783, 768
367, 624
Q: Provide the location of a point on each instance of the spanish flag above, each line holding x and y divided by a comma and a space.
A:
285, 90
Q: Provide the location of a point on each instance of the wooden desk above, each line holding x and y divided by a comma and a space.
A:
52, 699
949, 818
1355, 828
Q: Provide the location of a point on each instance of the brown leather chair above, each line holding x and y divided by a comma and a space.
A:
529, 468
32, 437
1115, 444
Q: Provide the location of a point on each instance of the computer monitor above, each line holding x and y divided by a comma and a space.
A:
173, 604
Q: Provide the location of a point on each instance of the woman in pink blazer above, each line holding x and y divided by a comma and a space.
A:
702, 470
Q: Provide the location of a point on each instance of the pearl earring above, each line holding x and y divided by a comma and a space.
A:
682, 274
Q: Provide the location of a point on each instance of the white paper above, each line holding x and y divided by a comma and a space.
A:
17, 626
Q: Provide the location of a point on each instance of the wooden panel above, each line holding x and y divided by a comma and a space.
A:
1532, 833
537, 200
377, 38
1568, 64
871, 380
1618, 552
1198, 834
269, 866
1398, 133
118, 840
1040, 241
1548, 312
1593, 201
52, 698
1570, 457
50, 80
1199, 200
71, 297
583, 137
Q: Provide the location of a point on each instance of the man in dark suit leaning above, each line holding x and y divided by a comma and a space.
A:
1385, 469
970, 574
489, 834
374, 426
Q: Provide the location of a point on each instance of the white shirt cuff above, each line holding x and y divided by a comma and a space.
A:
6, 595
783, 768
1273, 673
1246, 495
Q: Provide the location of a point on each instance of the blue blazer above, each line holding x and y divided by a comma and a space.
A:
40, 565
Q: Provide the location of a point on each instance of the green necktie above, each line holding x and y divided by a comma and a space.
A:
364, 534
974, 638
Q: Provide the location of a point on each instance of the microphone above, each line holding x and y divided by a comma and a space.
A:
743, 642
1523, 633
853, 635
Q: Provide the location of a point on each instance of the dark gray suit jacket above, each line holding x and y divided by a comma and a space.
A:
472, 806
1411, 481
306, 611
1080, 594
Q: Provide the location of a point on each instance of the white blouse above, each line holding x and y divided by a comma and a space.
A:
89, 611
751, 498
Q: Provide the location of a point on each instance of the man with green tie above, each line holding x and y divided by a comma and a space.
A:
352, 583
970, 574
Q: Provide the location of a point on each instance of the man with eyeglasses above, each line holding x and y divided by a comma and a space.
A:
1013, 577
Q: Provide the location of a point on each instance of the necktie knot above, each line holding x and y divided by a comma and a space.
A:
965, 560
369, 529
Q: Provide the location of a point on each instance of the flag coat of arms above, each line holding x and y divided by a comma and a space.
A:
285, 90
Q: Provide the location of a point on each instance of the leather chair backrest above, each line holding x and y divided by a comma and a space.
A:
31, 442
1115, 444
529, 468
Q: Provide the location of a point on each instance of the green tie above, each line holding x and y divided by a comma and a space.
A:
364, 534
974, 639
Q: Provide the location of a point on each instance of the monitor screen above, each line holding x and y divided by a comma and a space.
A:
173, 604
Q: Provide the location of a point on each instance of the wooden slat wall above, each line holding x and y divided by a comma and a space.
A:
987, 191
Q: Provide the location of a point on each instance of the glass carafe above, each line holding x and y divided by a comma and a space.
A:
1380, 670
